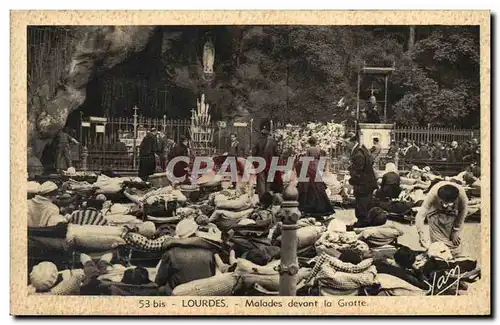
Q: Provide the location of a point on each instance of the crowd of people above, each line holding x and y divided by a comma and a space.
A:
105, 234
453, 152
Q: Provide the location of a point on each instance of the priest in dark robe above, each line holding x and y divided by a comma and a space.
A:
147, 159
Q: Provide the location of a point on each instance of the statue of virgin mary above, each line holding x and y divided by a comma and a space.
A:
208, 57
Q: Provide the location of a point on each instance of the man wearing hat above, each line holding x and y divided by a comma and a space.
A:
265, 148
445, 208
41, 211
362, 178
188, 257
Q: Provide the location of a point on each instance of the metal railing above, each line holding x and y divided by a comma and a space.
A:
434, 134
113, 147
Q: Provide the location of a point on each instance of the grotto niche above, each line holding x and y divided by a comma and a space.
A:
61, 63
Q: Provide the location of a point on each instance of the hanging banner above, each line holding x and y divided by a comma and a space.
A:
99, 128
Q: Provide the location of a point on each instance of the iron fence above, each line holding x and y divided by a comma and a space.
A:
434, 134
110, 142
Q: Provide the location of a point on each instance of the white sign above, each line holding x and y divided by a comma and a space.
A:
99, 128
240, 124
98, 119
86, 124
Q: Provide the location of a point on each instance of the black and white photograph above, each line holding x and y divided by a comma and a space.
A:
338, 161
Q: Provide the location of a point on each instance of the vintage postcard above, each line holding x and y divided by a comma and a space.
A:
250, 163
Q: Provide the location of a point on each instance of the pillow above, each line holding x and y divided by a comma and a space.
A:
95, 238
88, 217
217, 285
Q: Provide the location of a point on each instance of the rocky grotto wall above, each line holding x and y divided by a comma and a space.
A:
54, 91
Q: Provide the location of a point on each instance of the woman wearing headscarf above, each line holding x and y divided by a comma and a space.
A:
312, 193
390, 187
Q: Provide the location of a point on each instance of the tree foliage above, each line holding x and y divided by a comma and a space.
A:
309, 73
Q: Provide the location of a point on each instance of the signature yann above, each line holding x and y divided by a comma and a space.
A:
441, 284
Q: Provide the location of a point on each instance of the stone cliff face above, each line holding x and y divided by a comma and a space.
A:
94, 50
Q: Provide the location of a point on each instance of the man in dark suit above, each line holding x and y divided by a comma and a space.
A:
362, 179
266, 148
234, 149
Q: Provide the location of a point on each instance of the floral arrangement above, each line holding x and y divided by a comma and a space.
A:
295, 137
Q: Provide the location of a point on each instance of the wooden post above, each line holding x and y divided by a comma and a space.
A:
288, 216
134, 149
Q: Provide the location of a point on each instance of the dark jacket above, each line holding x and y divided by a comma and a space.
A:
439, 154
454, 155
424, 153
147, 160
185, 260
361, 170
122, 289
390, 186
372, 116
179, 150
266, 148
393, 151
234, 149
411, 153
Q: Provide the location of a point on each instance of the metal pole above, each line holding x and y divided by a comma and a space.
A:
289, 267
385, 103
251, 134
357, 100
219, 135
